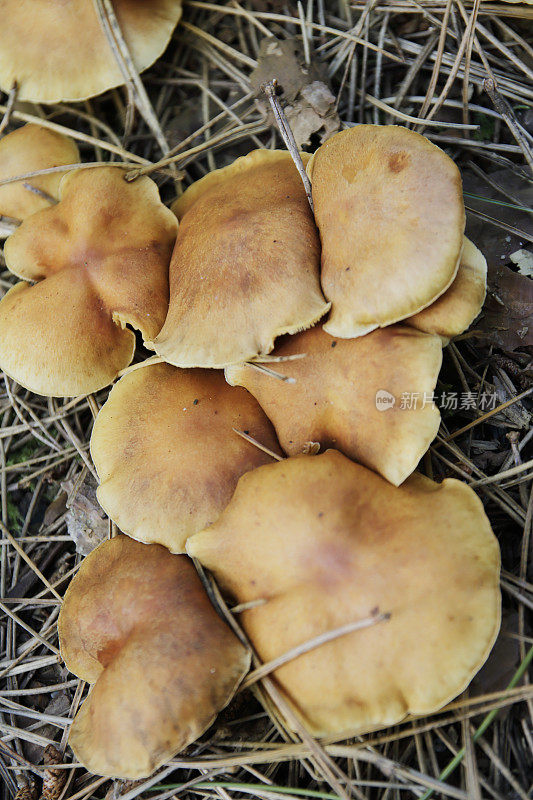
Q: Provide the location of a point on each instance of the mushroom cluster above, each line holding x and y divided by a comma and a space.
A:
205, 450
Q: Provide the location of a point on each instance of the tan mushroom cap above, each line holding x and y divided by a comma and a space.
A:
325, 542
389, 207
100, 258
347, 394
66, 55
455, 310
245, 268
137, 622
166, 452
29, 149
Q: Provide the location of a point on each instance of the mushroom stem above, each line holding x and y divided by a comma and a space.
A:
287, 135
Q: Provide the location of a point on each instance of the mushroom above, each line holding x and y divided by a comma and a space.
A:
245, 266
455, 310
137, 623
66, 55
166, 452
322, 543
100, 261
29, 149
389, 208
347, 394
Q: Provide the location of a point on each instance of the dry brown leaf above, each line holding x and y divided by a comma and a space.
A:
87, 524
500, 666
307, 100
507, 317
524, 262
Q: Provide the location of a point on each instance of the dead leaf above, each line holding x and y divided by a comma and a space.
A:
517, 415
55, 509
86, 522
495, 243
507, 316
524, 261
500, 666
59, 706
306, 99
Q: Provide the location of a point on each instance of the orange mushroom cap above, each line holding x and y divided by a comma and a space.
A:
137, 622
100, 258
166, 452
389, 208
29, 149
323, 542
455, 310
65, 53
245, 266
335, 395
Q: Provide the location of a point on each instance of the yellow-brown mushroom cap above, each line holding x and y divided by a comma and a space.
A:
166, 452
389, 208
100, 261
137, 622
245, 265
58, 50
324, 542
29, 149
455, 310
347, 394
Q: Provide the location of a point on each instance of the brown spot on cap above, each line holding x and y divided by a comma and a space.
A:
388, 203
398, 161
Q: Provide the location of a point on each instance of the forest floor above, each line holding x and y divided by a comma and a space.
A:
461, 73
